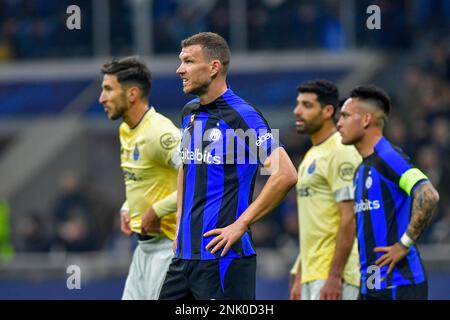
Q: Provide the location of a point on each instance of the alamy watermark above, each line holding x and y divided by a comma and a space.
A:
73, 21
74, 278
374, 20
220, 147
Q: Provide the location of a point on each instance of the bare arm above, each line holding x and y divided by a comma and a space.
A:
344, 243
283, 178
344, 239
425, 201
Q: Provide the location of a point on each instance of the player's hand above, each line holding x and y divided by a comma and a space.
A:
393, 255
125, 223
225, 237
150, 222
332, 290
295, 292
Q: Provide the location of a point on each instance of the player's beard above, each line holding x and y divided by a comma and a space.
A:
310, 127
120, 110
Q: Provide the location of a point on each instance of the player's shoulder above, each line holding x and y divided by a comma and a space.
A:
239, 104
392, 155
337, 149
123, 128
190, 106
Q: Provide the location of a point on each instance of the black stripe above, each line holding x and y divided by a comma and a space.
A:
384, 168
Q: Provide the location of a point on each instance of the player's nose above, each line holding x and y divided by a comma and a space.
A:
180, 70
102, 99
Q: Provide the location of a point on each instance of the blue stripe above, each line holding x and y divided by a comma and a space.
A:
360, 231
196, 140
394, 293
247, 248
392, 157
224, 263
188, 198
378, 218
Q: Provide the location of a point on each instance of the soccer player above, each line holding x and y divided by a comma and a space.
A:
327, 266
224, 142
149, 157
394, 202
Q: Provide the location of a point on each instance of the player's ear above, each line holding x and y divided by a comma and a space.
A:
367, 119
216, 66
328, 111
133, 94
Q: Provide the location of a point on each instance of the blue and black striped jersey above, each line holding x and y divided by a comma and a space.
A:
223, 144
384, 184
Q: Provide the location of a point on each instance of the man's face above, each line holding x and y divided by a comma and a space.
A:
308, 113
350, 123
195, 70
113, 97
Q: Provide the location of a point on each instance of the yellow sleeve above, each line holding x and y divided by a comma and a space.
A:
341, 168
296, 267
125, 206
166, 145
166, 206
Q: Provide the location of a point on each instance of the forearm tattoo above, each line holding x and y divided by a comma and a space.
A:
425, 201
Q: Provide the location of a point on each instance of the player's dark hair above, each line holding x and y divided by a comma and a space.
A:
326, 91
374, 95
130, 70
214, 47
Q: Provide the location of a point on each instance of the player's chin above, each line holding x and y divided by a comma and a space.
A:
346, 140
300, 129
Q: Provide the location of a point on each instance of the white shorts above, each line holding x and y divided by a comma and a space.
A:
151, 260
311, 290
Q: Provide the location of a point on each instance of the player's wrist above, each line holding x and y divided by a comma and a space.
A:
406, 241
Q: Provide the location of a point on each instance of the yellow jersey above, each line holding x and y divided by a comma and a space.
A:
149, 161
325, 177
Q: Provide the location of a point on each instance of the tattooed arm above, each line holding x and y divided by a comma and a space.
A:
425, 200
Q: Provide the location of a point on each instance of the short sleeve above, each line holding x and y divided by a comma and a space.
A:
166, 146
262, 141
341, 170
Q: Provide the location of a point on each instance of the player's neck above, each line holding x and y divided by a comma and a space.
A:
216, 89
135, 113
366, 146
324, 133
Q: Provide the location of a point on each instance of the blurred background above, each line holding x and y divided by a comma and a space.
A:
60, 181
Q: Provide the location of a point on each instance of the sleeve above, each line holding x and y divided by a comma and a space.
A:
341, 170
401, 170
166, 146
296, 266
125, 206
410, 178
262, 141
166, 206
